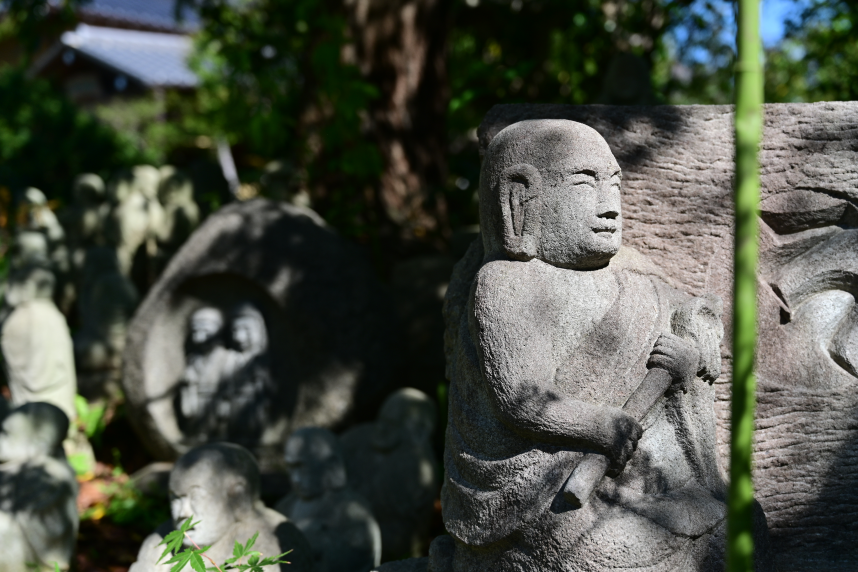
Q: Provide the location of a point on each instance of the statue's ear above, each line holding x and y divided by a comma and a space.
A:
520, 190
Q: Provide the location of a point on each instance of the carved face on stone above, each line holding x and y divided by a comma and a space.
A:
32, 430
550, 189
212, 483
248, 330
581, 223
315, 462
204, 325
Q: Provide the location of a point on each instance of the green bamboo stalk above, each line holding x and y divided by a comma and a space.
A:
749, 99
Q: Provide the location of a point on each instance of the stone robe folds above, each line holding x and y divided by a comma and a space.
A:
502, 499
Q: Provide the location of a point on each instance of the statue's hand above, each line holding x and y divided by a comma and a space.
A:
678, 356
626, 432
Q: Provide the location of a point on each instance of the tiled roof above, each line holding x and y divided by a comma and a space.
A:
154, 59
144, 13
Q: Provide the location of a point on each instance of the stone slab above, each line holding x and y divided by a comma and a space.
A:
330, 327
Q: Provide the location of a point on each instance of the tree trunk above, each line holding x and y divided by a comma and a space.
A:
400, 48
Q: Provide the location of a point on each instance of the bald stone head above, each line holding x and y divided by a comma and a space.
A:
88, 188
217, 484
407, 416
248, 332
550, 189
31, 431
315, 462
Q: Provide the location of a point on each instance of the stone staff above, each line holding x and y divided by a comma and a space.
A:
686, 323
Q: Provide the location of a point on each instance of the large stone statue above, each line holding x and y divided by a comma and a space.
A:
38, 490
218, 485
37, 345
136, 216
337, 521
392, 464
571, 357
226, 391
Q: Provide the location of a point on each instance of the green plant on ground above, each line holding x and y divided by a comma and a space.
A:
243, 558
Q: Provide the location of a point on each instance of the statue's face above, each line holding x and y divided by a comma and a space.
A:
19, 440
248, 333
311, 464
202, 493
581, 217
205, 324
12, 447
389, 427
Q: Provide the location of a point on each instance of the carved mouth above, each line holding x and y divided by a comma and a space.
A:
605, 230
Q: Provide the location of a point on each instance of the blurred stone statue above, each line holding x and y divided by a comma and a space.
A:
181, 213
40, 218
337, 521
106, 303
36, 343
283, 182
38, 491
218, 485
136, 215
226, 390
392, 464
85, 219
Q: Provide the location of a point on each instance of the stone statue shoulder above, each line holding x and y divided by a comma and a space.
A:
289, 538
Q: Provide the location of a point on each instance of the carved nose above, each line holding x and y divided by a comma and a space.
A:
609, 214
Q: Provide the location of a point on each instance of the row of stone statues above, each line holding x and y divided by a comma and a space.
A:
108, 238
355, 500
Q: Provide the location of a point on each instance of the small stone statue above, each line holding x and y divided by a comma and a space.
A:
106, 303
38, 490
40, 218
181, 212
571, 357
84, 220
337, 521
36, 344
218, 485
392, 464
227, 388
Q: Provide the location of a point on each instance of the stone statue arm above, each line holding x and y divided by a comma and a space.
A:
150, 551
511, 328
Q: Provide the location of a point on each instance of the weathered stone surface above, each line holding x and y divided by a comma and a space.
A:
218, 485
677, 203
38, 357
325, 355
336, 520
565, 355
392, 464
38, 490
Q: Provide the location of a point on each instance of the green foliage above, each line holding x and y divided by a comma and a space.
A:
45, 140
26, 19
243, 558
126, 505
274, 82
90, 417
818, 57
